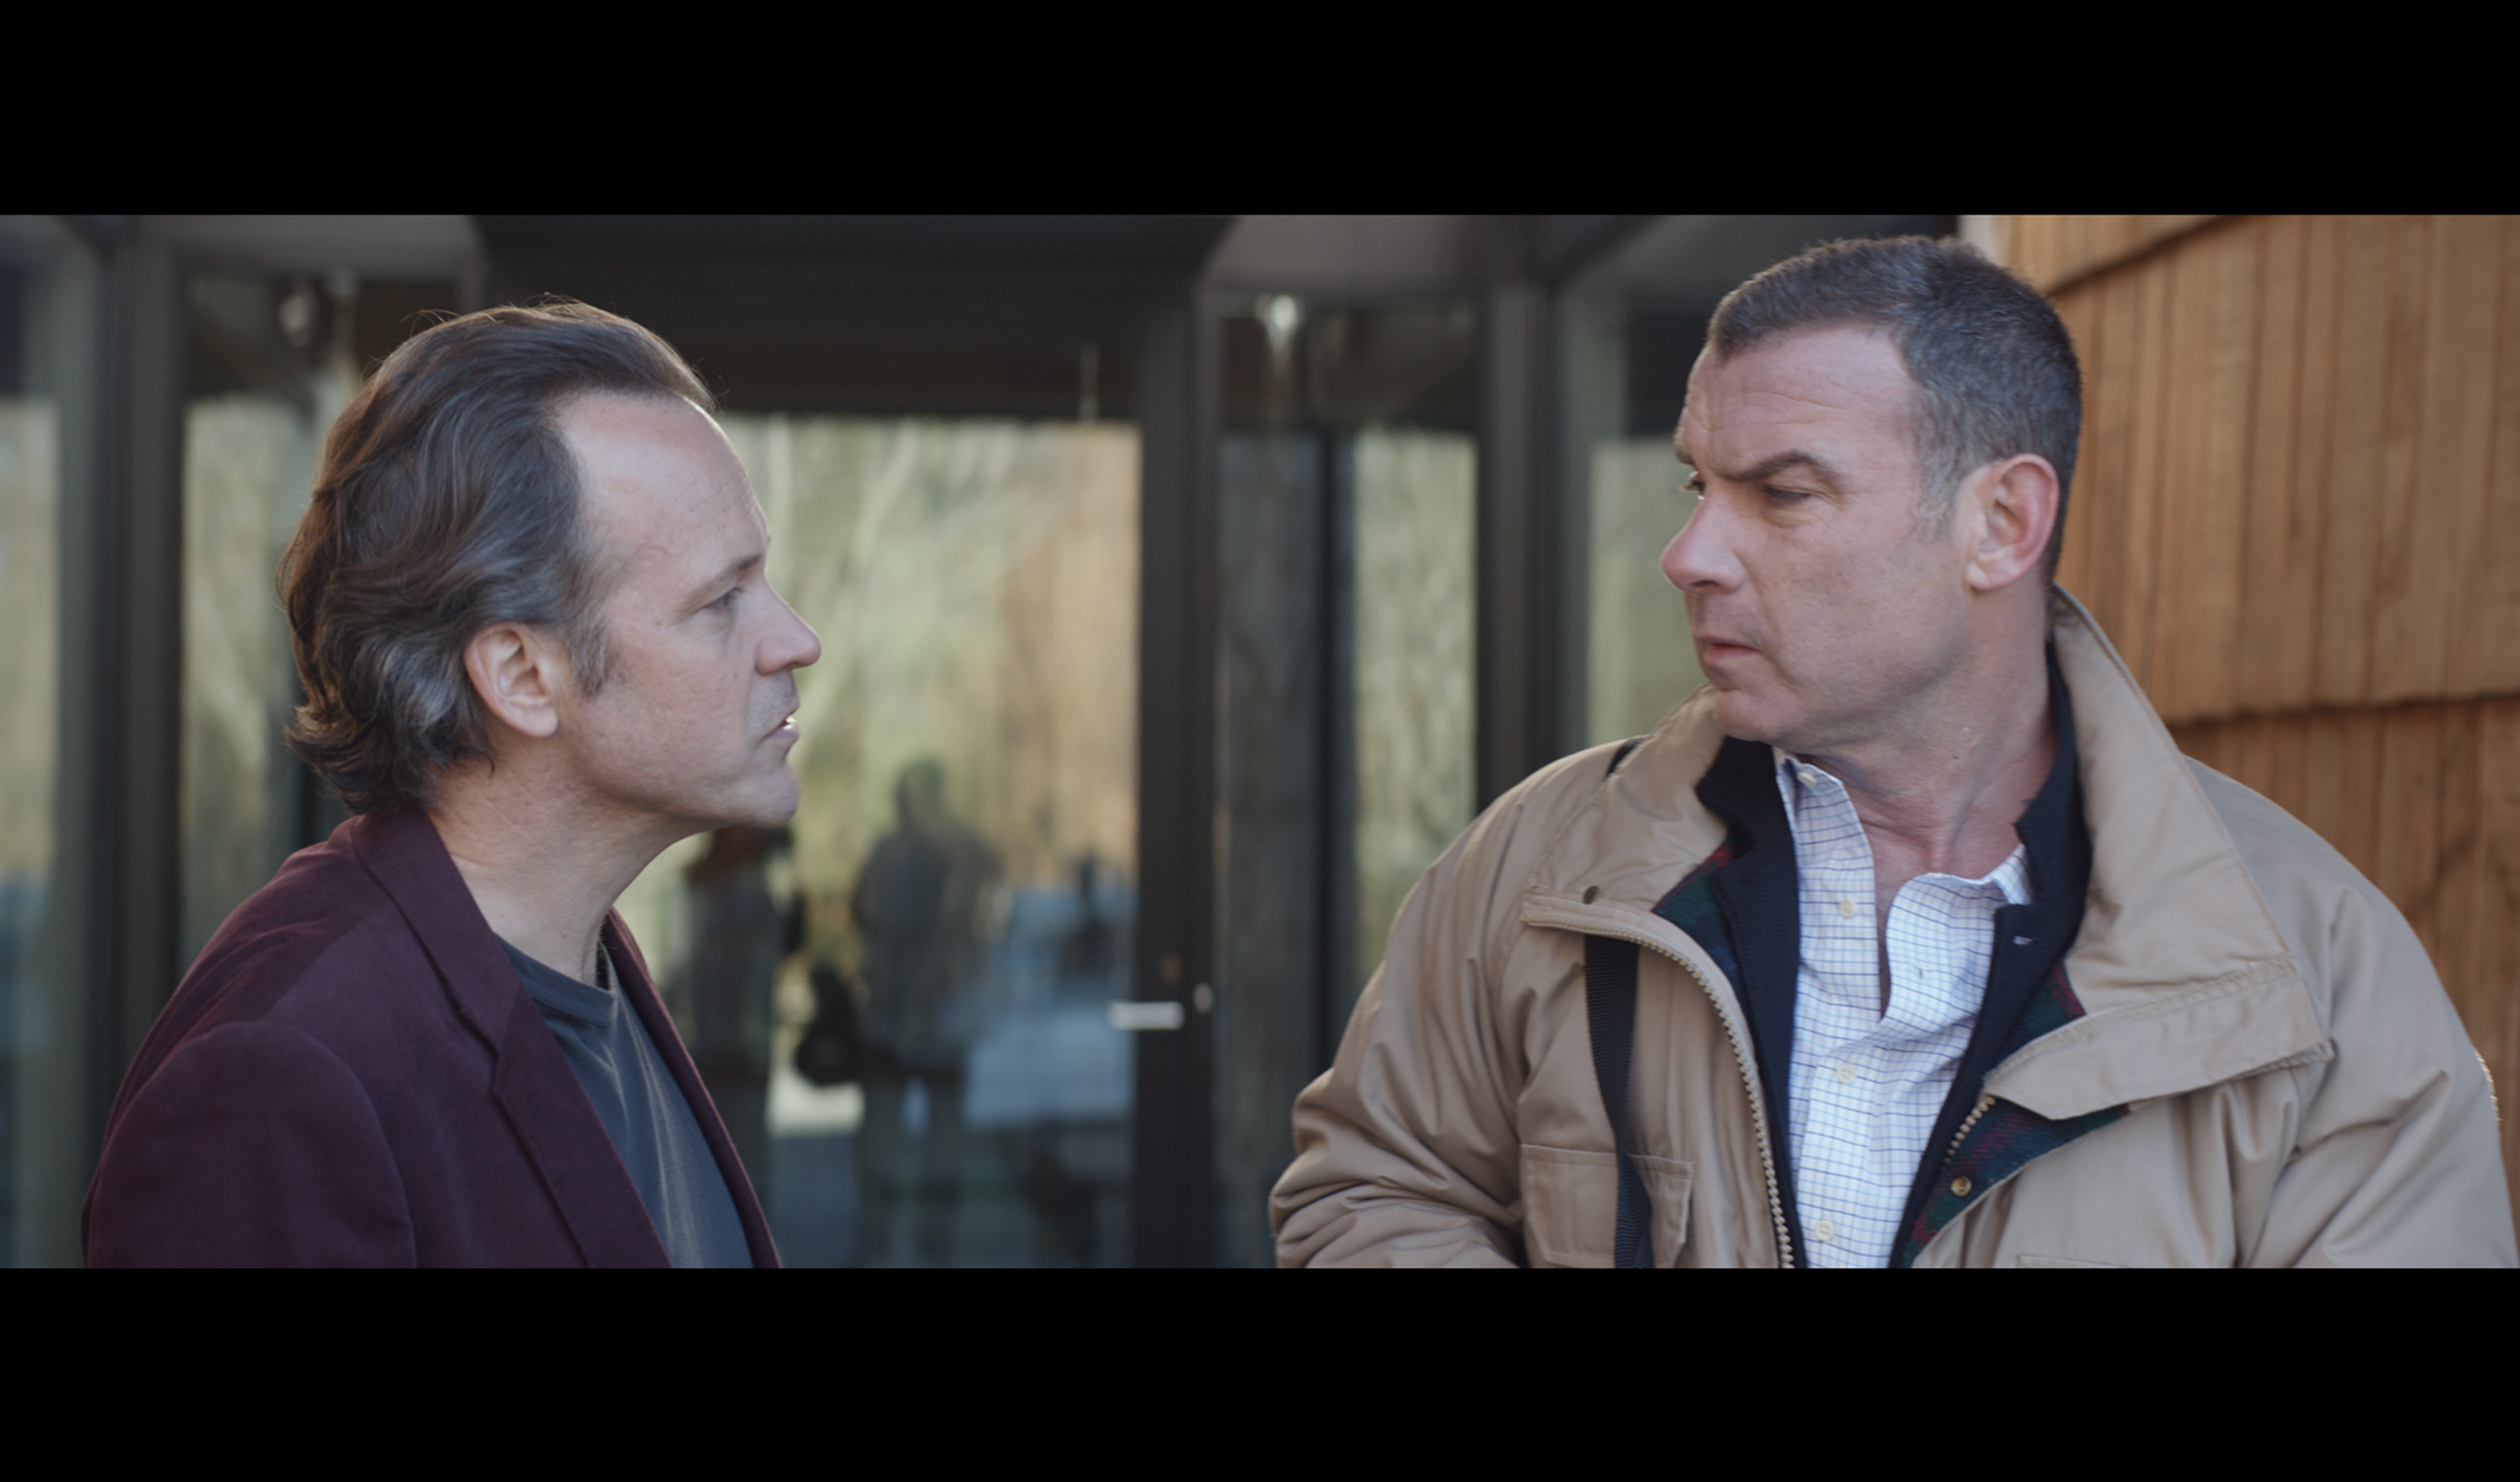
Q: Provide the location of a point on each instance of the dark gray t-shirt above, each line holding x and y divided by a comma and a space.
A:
651, 1124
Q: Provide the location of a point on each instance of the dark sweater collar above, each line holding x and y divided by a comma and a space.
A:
2051, 829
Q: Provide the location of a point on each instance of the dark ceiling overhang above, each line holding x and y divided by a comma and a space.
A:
1161, 245
1024, 316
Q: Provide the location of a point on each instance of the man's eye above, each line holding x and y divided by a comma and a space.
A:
724, 601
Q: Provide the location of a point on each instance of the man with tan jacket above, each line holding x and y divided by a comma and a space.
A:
1909, 939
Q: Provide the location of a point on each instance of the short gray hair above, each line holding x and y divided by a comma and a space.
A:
446, 501
1992, 360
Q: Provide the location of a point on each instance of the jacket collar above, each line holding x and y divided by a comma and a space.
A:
2185, 976
529, 1081
402, 852
2185, 979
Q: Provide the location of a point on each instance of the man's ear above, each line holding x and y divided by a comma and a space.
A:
2011, 507
518, 672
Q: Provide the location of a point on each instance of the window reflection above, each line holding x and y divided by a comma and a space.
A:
1346, 492
274, 358
1416, 523
30, 600
950, 909
50, 295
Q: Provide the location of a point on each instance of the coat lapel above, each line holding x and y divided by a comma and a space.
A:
2185, 977
530, 1081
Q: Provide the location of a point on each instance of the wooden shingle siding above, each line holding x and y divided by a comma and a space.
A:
2298, 514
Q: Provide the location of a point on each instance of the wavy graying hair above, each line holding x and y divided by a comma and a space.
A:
1994, 361
446, 501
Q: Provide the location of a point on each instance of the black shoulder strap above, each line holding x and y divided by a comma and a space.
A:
1610, 1003
1609, 1008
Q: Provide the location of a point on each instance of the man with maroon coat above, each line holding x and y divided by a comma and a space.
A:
539, 645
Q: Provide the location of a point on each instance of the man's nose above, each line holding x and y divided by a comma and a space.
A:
793, 644
1700, 557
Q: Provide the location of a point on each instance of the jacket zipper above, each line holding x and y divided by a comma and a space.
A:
1749, 1086
1957, 1139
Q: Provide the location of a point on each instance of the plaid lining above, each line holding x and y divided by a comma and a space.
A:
2005, 1137
1691, 906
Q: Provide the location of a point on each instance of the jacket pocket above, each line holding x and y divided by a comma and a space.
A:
1570, 1205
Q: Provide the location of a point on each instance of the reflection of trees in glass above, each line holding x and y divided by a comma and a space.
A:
248, 460
975, 587
1643, 662
1414, 501
31, 654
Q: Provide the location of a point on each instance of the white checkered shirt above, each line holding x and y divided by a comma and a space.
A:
1867, 1086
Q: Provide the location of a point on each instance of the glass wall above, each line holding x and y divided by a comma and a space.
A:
1346, 489
49, 308
274, 357
950, 912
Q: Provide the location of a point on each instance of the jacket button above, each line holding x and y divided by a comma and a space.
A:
1960, 1187
1591, 894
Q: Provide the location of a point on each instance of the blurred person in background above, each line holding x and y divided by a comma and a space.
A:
921, 905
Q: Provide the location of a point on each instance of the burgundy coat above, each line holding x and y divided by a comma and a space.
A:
352, 1075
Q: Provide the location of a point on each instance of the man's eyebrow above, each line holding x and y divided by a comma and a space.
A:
1768, 467
708, 591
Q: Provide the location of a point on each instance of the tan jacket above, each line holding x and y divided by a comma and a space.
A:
2300, 1090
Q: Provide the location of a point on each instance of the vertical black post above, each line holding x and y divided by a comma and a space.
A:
1173, 1217
1517, 704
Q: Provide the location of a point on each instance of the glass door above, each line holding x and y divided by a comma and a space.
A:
1346, 488
902, 1002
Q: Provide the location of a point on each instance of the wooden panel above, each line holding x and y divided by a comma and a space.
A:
2274, 760
2498, 610
2278, 605
2173, 486
2288, 774
2236, 258
2100, 528
2454, 455
2458, 944
2340, 750
2138, 381
2406, 795
2074, 564
2407, 787
2354, 426
2300, 474
2323, 331
2054, 252
2299, 517
2402, 649
2211, 744
2197, 603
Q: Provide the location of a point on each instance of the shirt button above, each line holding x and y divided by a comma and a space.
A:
1845, 1073
1809, 777
1824, 1232
1845, 907
1960, 1187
